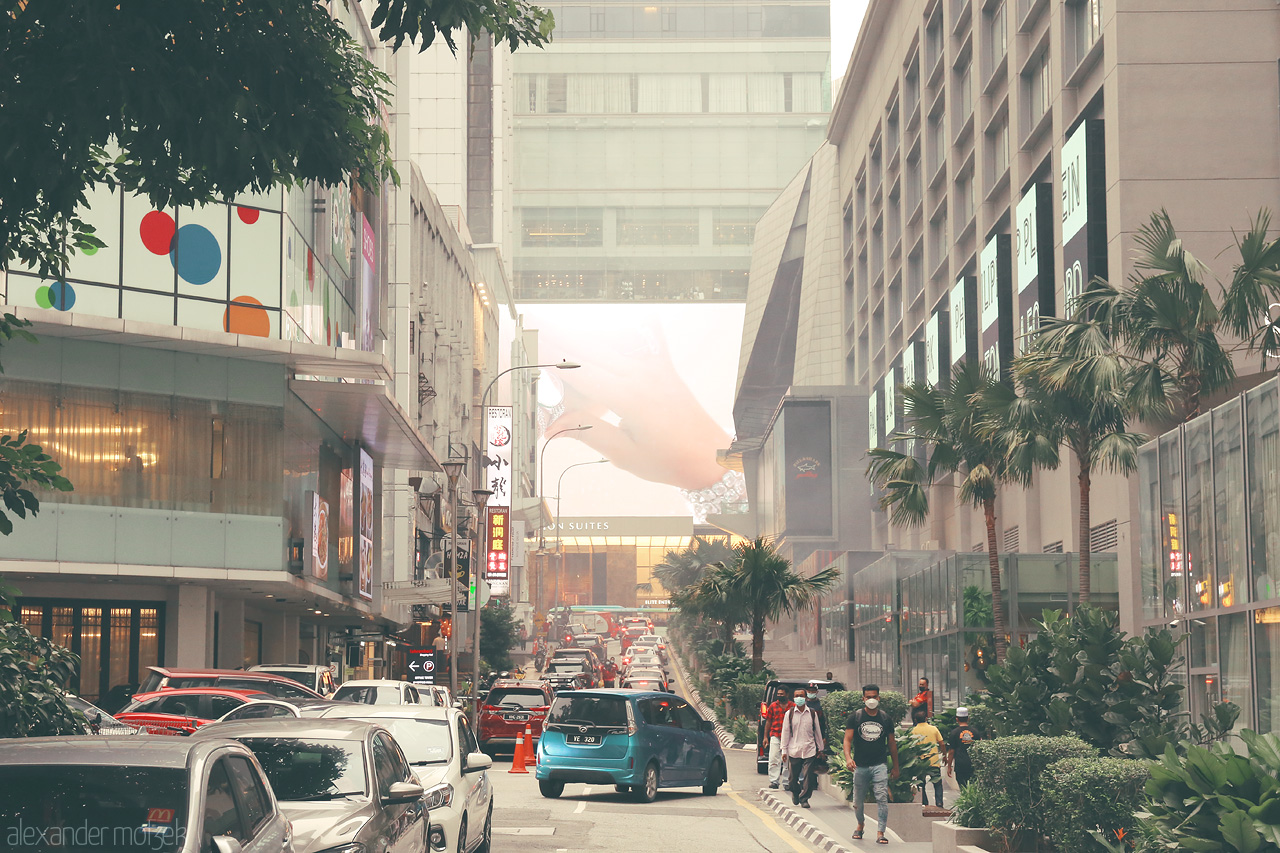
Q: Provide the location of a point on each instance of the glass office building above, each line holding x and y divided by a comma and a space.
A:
648, 139
1209, 523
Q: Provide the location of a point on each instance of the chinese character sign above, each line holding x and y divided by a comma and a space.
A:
497, 570
497, 464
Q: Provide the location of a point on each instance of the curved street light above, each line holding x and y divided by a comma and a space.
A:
559, 553
542, 458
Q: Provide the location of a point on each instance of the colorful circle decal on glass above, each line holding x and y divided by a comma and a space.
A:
59, 295
246, 316
196, 254
248, 215
156, 230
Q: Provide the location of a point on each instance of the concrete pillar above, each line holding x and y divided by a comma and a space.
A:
192, 632
275, 641
230, 632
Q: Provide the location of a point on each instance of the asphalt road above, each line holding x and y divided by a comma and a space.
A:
594, 817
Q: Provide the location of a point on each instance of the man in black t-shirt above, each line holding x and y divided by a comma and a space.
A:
958, 742
868, 742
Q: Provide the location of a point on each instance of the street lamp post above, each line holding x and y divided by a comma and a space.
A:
542, 531
559, 554
452, 471
482, 498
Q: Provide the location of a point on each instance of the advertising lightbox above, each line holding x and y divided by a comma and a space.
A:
1084, 211
1033, 250
995, 275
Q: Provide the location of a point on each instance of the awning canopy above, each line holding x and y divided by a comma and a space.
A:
367, 414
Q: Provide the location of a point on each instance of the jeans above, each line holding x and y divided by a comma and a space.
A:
875, 777
775, 760
936, 779
803, 777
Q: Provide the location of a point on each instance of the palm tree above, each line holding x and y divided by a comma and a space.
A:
1074, 392
954, 423
680, 570
761, 582
718, 597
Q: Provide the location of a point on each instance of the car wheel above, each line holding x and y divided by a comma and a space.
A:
550, 789
647, 791
462, 835
622, 789
715, 778
486, 839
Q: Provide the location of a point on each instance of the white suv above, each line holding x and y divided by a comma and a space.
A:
318, 678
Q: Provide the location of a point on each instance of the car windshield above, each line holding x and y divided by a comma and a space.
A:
566, 666
423, 741
589, 710
640, 659
306, 679
517, 697
368, 694
645, 673
93, 808
311, 768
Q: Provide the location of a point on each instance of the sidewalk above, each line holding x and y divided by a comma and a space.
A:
830, 822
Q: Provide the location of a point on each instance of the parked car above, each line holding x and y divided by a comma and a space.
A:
382, 692
447, 761
270, 707
169, 678
166, 795
636, 741
788, 687
510, 707
344, 785
655, 679
183, 710
317, 678
98, 721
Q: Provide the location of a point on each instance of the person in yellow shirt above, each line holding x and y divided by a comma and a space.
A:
928, 733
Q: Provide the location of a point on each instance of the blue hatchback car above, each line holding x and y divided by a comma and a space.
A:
635, 740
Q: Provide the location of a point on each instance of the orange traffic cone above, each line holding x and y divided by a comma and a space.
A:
518, 760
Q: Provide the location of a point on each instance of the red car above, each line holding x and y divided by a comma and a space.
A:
166, 678
632, 633
183, 710
510, 706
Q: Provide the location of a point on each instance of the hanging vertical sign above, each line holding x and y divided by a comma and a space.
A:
497, 570
964, 320
1084, 211
996, 319
1033, 251
365, 576
367, 322
890, 398
873, 419
497, 459
937, 346
318, 553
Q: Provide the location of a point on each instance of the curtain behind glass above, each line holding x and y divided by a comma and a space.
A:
670, 93
806, 93
599, 93
251, 483
1235, 660
727, 93
1263, 437
766, 93
1229, 490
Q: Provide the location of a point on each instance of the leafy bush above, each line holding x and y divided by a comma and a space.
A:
1092, 794
1213, 799
1009, 775
839, 704
745, 699
35, 672
742, 730
967, 808
1081, 675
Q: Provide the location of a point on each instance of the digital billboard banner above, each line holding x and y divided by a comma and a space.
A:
655, 391
497, 457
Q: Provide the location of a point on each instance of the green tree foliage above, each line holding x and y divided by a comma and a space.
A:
498, 635
956, 424
759, 585
187, 103
33, 674
1092, 797
1213, 799
1081, 675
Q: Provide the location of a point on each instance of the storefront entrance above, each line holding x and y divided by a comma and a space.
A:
116, 641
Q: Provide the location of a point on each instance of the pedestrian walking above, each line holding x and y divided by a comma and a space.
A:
802, 740
868, 735
928, 733
773, 732
959, 740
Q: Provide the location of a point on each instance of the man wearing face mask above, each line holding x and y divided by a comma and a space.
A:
801, 743
868, 735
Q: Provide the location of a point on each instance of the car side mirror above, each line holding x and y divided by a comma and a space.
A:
707, 726
225, 844
476, 762
403, 792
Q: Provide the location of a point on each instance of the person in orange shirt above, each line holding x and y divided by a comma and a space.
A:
924, 697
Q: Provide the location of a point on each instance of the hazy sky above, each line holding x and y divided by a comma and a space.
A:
846, 17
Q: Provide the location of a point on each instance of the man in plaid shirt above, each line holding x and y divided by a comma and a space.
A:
774, 713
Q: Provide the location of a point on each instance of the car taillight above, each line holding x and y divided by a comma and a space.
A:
764, 709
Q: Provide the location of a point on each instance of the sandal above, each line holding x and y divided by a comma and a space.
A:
857, 835
880, 839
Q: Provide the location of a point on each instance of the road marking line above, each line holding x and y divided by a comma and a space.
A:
771, 823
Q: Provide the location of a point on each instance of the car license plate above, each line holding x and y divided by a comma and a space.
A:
515, 716
584, 739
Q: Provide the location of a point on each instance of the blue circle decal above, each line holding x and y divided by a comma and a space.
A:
196, 254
